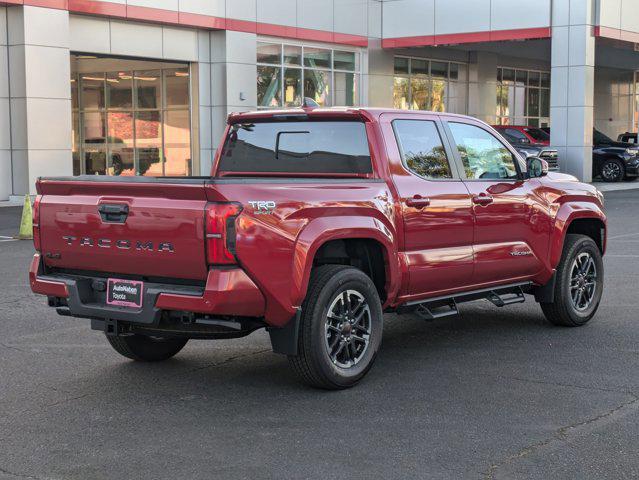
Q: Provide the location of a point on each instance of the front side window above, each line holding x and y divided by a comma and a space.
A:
325, 147
421, 148
483, 156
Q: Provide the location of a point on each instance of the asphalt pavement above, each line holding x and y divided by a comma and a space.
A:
492, 393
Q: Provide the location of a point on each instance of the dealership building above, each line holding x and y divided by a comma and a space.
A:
143, 87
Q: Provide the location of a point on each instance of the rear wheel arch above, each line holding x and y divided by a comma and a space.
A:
365, 254
363, 234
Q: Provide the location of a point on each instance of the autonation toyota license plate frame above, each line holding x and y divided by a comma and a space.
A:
125, 293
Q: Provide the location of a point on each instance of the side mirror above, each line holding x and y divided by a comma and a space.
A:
537, 167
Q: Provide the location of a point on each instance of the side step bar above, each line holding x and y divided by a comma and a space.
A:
445, 306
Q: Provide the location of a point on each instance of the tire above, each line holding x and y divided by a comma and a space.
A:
146, 349
612, 170
335, 353
563, 311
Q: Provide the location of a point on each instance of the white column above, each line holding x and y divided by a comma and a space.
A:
381, 69
482, 86
572, 85
40, 92
233, 76
6, 175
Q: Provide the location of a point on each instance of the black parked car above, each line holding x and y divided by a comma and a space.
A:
613, 161
627, 137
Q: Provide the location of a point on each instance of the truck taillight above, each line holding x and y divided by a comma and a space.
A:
220, 233
36, 222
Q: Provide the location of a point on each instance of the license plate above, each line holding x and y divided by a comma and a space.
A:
124, 293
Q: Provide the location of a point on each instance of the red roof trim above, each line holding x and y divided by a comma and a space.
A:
472, 37
617, 34
158, 15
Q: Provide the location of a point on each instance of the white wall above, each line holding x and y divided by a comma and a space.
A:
613, 101
409, 18
40, 95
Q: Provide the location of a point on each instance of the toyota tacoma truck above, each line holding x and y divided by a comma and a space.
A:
312, 224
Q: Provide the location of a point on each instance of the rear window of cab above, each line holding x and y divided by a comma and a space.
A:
305, 147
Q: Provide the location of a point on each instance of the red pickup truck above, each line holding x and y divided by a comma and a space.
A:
313, 223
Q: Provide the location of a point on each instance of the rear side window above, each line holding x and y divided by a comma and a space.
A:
421, 148
297, 147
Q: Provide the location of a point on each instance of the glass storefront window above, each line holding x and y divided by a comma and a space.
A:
92, 91
419, 67
132, 122
401, 93
439, 96
401, 66
74, 93
292, 55
288, 73
419, 87
120, 143
268, 86
422, 84
523, 97
75, 142
317, 85
148, 86
344, 61
94, 142
317, 57
148, 143
177, 142
119, 90
292, 87
270, 53
439, 69
176, 88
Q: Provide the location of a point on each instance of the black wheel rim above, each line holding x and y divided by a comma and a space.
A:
583, 281
347, 329
611, 170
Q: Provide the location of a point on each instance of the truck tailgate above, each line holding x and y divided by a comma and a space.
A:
136, 226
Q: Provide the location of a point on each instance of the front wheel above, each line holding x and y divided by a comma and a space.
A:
579, 283
612, 170
340, 328
146, 349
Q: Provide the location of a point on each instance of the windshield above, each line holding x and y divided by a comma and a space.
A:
599, 138
538, 134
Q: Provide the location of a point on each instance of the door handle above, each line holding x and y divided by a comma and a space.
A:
482, 199
418, 201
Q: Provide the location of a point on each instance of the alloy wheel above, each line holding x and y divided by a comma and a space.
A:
347, 328
583, 281
611, 171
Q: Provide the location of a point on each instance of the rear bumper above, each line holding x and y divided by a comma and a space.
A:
227, 292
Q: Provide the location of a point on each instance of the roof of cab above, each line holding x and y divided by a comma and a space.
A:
338, 113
